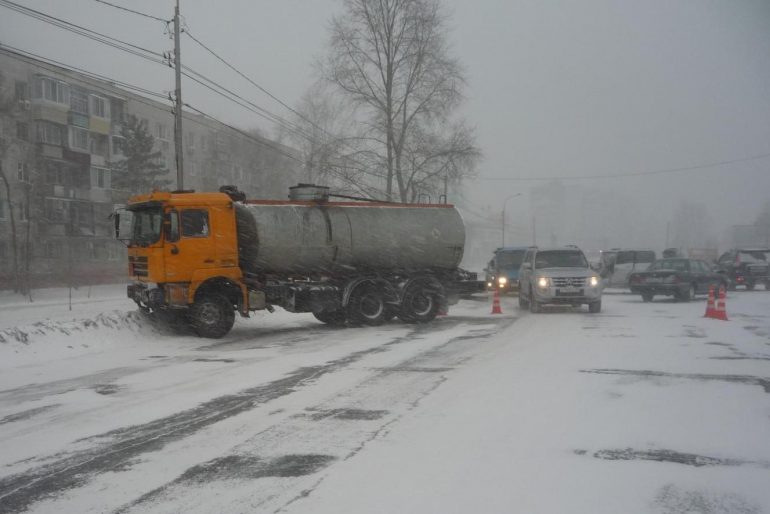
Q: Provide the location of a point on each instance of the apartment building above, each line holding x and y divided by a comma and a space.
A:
60, 130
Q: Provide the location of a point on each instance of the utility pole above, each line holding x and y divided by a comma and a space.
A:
178, 103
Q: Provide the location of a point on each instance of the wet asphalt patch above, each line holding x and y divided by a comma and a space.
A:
27, 414
107, 389
413, 369
239, 467
348, 414
673, 500
764, 383
671, 456
245, 467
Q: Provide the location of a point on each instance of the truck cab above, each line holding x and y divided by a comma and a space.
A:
502, 271
182, 248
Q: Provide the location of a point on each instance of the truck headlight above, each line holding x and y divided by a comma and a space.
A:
593, 281
543, 282
502, 281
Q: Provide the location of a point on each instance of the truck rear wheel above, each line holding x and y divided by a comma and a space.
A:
366, 306
212, 316
419, 305
334, 318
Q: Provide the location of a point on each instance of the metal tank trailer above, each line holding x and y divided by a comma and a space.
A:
356, 261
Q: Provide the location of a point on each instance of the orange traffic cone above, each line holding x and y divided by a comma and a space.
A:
496, 302
721, 312
710, 305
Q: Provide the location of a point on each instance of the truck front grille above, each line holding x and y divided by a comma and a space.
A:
137, 266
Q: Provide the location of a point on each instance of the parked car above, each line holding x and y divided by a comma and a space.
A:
502, 272
618, 264
558, 276
680, 278
746, 266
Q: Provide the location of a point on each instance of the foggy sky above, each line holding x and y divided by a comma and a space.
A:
556, 88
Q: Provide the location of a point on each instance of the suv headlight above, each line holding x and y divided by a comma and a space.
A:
543, 282
502, 281
593, 281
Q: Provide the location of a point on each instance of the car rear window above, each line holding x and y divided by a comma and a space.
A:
669, 264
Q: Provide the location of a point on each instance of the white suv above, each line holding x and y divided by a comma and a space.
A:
558, 276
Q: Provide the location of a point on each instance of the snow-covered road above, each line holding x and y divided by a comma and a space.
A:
642, 408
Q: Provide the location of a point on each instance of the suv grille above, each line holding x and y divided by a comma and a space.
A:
137, 265
568, 281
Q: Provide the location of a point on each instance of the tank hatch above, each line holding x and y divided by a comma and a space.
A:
309, 192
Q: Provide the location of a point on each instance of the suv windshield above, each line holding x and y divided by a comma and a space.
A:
146, 226
560, 259
508, 260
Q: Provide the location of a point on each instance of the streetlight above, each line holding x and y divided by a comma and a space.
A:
502, 217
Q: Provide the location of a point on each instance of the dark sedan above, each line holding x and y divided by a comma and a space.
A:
680, 278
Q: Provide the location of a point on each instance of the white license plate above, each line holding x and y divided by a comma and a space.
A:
569, 289
654, 280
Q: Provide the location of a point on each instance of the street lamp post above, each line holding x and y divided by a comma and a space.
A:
502, 216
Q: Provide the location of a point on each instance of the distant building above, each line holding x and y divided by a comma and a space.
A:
59, 132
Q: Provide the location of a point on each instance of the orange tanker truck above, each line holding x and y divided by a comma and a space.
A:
210, 255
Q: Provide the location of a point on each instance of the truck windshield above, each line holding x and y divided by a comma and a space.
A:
510, 260
146, 226
560, 259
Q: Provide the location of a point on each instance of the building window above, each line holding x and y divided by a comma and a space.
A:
164, 146
99, 107
99, 145
118, 143
49, 133
55, 209
53, 249
22, 131
203, 143
56, 174
21, 91
79, 101
23, 211
79, 138
2, 209
22, 172
160, 131
52, 90
100, 178
3, 250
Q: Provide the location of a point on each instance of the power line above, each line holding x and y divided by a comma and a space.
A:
635, 174
132, 11
29, 57
82, 31
250, 80
245, 134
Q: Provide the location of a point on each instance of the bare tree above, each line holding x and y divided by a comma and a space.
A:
6, 111
391, 59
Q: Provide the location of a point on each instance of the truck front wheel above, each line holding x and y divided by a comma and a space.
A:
212, 316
